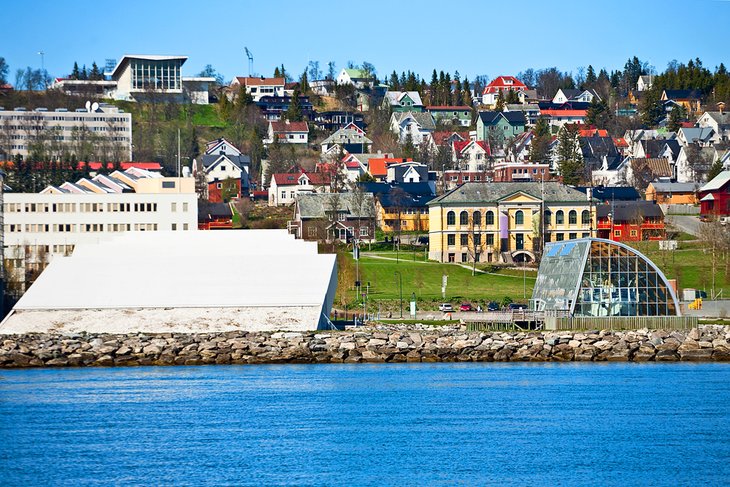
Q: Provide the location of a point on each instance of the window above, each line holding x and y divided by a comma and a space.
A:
168, 184
477, 217
634, 233
451, 218
617, 233
341, 217
451, 239
464, 257
585, 217
173, 207
363, 231
185, 226
548, 217
185, 208
451, 257
573, 217
219, 185
174, 226
490, 239
519, 217
464, 239
559, 237
559, 217
463, 218
312, 232
572, 236
477, 240
490, 218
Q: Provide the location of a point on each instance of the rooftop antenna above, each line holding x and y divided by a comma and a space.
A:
250, 60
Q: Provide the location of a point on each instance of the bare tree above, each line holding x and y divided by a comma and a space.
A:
476, 243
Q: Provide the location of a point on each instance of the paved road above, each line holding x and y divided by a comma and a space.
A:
686, 223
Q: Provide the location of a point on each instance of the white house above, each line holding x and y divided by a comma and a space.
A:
471, 155
359, 78
258, 87
350, 138
564, 95
287, 132
719, 122
285, 187
418, 125
644, 82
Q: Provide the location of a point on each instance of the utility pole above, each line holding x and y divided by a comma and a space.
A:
43, 68
179, 174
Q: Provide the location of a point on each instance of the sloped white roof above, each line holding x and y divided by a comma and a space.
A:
717, 182
240, 270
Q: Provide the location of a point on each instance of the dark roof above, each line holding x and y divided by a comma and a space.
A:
414, 189
629, 211
550, 191
674, 147
612, 193
240, 161
514, 118
211, 211
682, 94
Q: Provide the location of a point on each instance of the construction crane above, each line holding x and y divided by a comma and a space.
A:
250, 61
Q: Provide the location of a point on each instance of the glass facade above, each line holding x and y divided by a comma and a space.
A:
156, 74
595, 277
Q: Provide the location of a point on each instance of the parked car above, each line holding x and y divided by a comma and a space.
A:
446, 307
493, 306
466, 307
515, 306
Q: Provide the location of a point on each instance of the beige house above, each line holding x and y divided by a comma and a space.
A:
506, 222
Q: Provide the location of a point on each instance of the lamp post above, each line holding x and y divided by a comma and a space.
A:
400, 291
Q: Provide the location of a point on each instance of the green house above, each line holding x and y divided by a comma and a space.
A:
497, 127
403, 101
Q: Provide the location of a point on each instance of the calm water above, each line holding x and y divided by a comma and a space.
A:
471, 424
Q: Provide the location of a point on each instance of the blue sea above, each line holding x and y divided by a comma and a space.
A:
406, 424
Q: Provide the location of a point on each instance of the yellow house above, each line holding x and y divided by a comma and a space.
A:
506, 222
411, 219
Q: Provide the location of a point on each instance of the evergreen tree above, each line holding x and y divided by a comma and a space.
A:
75, 73
512, 97
394, 84
598, 113
652, 109
540, 145
294, 112
499, 107
84, 74
466, 92
277, 73
95, 74
570, 157
675, 118
590, 76
715, 169
304, 82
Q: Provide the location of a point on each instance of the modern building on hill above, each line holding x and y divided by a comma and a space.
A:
141, 77
595, 278
41, 226
103, 131
506, 222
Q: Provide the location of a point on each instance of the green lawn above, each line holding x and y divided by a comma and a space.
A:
207, 115
691, 265
424, 279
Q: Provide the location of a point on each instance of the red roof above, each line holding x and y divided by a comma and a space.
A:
149, 166
287, 126
592, 132
292, 179
440, 137
459, 146
449, 108
504, 83
378, 167
258, 81
620, 142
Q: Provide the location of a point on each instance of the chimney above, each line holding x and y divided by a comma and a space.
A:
721, 107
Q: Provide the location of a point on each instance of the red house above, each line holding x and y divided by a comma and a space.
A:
715, 196
630, 221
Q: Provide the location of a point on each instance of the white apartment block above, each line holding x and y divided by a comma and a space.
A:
41, 226
106, 129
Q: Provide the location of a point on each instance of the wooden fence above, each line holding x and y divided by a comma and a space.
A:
621, 322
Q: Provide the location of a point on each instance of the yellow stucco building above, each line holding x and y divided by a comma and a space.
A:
505, 222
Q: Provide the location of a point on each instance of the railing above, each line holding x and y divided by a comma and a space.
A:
623, 322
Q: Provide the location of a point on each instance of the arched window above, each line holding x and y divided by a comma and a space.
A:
548, 217
519, 218
573, 217
559, 217
477, 216
585, 217
490, 218
463, 218
451, 218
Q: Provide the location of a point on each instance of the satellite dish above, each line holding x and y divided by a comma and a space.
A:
94, 107
88, 106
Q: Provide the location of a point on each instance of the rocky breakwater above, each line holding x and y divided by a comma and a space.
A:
371, 344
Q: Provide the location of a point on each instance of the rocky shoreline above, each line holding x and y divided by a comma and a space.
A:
376, 344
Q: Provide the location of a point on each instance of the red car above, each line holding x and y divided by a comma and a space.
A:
466, 307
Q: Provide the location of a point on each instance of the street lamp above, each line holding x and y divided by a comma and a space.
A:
400, 291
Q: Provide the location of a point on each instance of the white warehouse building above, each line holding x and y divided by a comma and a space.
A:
182, 282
